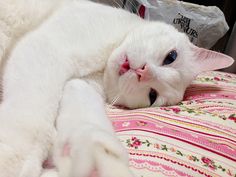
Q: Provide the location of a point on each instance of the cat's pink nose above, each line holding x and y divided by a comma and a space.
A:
124, 67
143, 73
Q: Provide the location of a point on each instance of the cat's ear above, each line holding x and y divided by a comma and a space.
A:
207, 60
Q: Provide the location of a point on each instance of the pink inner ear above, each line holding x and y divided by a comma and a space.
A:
208, 60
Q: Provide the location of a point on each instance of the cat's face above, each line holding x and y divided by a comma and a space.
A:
152, 67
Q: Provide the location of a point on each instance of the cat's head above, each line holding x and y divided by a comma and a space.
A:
154, 65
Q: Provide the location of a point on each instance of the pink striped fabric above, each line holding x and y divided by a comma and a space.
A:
197, 137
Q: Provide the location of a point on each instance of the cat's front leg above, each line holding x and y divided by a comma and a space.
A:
86, 140
22, 148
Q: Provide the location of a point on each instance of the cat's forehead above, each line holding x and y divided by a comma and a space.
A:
156, 35
154, 39
155, 30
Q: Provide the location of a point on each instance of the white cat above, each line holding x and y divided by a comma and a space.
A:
76, 55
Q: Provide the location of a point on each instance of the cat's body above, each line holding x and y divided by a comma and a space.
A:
60, 72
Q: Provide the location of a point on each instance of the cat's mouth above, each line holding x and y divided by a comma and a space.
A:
124, 67
142, 73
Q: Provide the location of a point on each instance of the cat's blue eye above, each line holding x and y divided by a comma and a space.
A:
170, 58
152, 96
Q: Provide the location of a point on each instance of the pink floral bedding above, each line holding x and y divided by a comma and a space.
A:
195, 138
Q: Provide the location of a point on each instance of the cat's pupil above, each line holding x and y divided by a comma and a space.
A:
152, 96
170, 58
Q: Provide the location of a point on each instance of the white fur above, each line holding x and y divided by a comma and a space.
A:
69, 58
91, 139
20, 16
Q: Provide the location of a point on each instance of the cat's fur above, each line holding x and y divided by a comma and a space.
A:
65, 66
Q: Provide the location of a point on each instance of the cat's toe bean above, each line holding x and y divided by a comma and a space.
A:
107, 161
110, 145
73, 159
108, 154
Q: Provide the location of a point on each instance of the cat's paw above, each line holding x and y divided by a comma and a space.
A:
90, 150
111, 165
14, 164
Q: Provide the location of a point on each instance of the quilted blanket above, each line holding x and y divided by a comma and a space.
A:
197, 137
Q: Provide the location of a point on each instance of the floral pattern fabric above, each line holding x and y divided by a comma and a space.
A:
197, 137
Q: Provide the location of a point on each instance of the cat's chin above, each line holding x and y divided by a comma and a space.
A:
119, 106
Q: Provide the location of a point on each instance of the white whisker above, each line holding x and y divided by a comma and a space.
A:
128, 87
126, 84
113, 102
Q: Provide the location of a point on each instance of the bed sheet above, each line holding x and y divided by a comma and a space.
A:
197, 137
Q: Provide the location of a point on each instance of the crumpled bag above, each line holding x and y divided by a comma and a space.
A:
204, 25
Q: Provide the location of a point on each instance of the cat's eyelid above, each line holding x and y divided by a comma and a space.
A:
168, 53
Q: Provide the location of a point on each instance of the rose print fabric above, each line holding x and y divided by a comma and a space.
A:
197, 137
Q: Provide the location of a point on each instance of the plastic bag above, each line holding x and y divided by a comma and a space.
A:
204, 25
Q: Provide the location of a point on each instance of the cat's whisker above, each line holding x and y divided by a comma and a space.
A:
127, 87
113, 102
130, 89
123, 89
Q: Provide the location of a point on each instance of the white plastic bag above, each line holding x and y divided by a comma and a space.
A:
203, 25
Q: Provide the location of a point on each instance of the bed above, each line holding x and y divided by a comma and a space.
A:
197, 137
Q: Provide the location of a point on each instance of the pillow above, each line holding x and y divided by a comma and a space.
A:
197, 137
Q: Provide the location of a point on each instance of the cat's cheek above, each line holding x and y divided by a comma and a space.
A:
127, 80
112, 69
122, 58
117, 60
